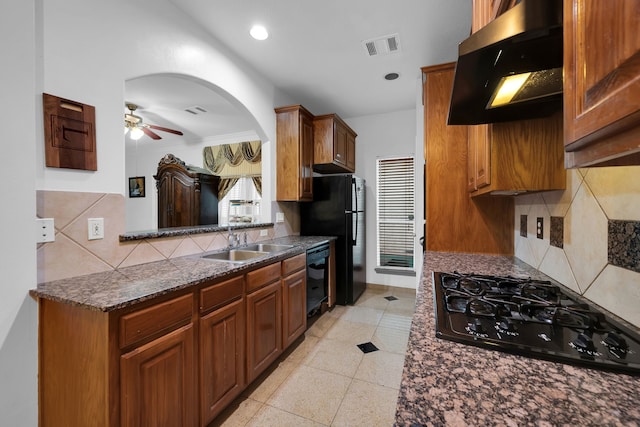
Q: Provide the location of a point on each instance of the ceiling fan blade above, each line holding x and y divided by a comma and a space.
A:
150, 134
177, 132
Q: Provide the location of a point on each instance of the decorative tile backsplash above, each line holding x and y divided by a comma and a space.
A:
592, 243
72, 254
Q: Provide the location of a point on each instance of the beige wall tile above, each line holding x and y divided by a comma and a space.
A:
617, 290
617, 189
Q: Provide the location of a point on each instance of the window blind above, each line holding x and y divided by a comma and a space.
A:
395, 213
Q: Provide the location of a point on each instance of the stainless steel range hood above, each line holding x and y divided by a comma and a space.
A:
524, 44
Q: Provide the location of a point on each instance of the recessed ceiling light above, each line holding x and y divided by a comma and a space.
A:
391, 76
259, 32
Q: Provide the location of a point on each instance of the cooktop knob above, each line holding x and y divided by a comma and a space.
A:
507, 325
584, 343
477, 327
614, 340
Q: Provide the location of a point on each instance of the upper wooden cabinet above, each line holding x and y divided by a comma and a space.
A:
516, 157
334, 145
294, 154
601, 82
187, 196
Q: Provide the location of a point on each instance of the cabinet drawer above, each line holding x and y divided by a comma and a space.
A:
263, 276
293, 264
142, 324
221, 293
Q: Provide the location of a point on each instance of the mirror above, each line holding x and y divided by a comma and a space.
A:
205, 114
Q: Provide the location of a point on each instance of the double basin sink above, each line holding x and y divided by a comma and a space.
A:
246, 253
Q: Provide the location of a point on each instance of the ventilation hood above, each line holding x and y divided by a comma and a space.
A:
521, 46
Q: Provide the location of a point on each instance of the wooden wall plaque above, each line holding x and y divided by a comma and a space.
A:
69, 134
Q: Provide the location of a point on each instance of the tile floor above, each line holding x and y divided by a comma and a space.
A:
325, 379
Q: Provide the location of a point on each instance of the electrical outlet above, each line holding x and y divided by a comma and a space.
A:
95, 228
279, 217
45, 231
264, 233
539, 227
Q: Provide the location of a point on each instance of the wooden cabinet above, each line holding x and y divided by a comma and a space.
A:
264, 328
456, 222
516, 157
294, 154
187, 196
176, 360
601, 82
294, 299
222, 346
334, 145
158, 382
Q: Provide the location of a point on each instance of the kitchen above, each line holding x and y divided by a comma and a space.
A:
20, 345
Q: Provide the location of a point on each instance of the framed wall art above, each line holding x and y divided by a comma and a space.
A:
136, 186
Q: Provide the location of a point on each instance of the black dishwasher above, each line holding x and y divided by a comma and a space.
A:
317, 277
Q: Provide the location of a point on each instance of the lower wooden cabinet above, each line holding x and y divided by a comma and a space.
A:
264, 328
158, 382
222, 357
175, 361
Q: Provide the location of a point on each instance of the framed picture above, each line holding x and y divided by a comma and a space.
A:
136, 186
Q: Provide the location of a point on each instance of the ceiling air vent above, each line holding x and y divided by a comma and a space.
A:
195, 110
382, 45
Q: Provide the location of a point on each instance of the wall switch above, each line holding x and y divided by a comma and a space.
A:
96, 228
539, 227
279, 217
264, 233
45, 231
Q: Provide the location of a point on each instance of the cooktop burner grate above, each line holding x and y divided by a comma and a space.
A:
533, 318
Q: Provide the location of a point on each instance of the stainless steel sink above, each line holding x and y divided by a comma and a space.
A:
238, 256
267, 247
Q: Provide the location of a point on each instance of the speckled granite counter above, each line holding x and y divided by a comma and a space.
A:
120, 288
447, 383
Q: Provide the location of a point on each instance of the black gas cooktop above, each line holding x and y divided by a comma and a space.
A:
532, 318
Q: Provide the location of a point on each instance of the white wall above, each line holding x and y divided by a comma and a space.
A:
386, 135
20, 80
92, 47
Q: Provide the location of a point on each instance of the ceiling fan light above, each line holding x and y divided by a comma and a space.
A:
136, 133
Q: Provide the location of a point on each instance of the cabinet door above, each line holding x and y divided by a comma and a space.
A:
479, 161
183, 202
294, 313
264, 328
339, 144
351, 152
158, 382
601, 80
306, 158
221, 358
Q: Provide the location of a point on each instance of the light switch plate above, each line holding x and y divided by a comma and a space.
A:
279, 217
539, 227
45, 231
264, 233
95, 228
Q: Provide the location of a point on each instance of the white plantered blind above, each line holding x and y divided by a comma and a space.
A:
395, 213
242, 190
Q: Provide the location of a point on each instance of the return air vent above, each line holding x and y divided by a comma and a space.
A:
195, 110
382, 45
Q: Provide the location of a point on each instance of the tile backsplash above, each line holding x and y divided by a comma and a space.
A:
72, 254
596, 236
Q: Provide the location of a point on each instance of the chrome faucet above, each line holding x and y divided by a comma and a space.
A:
233, 238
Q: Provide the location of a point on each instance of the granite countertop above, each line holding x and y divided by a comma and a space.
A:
112, 290
453, 384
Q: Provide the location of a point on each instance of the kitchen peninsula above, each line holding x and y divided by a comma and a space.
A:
170, 342
448, 383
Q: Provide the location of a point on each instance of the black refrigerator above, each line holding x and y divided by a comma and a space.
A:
338, 209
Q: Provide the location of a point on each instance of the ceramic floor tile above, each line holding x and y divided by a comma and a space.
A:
321, 325
373, 300
336, 356
311, 393
303, 349
366, 405
268, 416
391, 340
351, 332
395, 321
368, 315
403, 305
269, 382
382, 368
237, 414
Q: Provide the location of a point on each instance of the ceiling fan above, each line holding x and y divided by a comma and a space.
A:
136, 128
